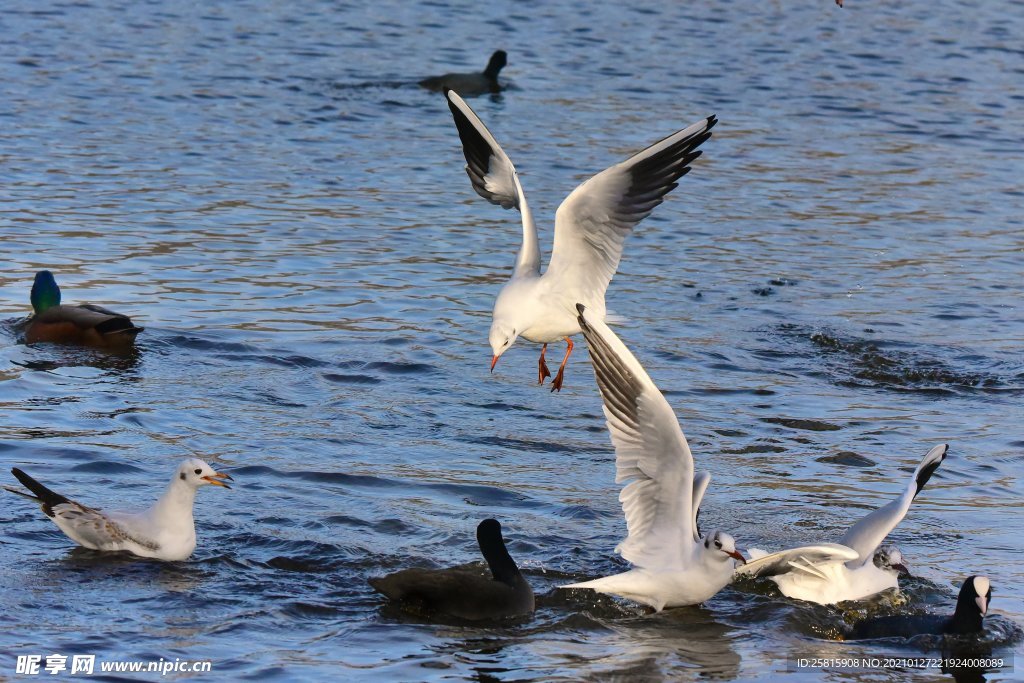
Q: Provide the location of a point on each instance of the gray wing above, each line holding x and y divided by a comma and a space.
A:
700, 485
804, 560
593, 222
866, 535
494, 177
651, 454
94, 528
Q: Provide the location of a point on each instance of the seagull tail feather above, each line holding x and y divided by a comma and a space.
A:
22, 493
46, 498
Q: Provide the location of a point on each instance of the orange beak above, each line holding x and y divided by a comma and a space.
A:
494, 361
217, 479
736, 556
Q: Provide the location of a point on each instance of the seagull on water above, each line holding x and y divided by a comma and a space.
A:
971, 607
591, 226
675, 565
854, 568
166, 531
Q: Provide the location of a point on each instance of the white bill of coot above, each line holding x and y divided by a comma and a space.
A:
969, 617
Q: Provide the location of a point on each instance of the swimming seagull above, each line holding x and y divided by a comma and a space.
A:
462, 592
971, 607
675, 566
591, 226
475, 83
852, 569
165, 531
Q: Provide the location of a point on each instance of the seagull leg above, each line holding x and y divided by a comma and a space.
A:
556, 385
542, 367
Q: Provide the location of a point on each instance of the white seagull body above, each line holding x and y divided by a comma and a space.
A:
591, 227
675, 566
831, 573
166, 531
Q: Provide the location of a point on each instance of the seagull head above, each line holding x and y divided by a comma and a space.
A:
722, 547
889, 557
195, 473
502, 337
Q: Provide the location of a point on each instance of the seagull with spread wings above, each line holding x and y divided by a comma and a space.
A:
674, 564
591, 227
856, 567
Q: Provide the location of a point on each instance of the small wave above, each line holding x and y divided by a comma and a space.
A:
859, 362
259, 472
388, 367
533, 446
106, 467
847, 459
807, 425
351, 379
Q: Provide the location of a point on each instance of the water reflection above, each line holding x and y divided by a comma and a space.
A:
688, 638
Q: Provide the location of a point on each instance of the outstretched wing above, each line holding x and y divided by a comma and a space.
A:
494, 177
700, 485
866, 535
592, 223
651, 454
804, 560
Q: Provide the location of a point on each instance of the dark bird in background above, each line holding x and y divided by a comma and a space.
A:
471, 83
463, 592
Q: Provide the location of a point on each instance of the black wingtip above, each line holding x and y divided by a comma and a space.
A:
712, 120
26, 480
46, 497
928, 470
580, 309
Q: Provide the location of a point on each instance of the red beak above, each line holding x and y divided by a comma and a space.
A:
736, 556
217, 479
494, 361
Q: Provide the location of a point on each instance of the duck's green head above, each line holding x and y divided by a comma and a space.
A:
45, 292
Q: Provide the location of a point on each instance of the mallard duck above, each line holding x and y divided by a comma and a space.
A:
470, 83
80, 324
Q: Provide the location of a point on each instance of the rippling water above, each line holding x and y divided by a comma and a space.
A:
831, 291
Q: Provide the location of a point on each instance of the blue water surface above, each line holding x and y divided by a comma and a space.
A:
834, 289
